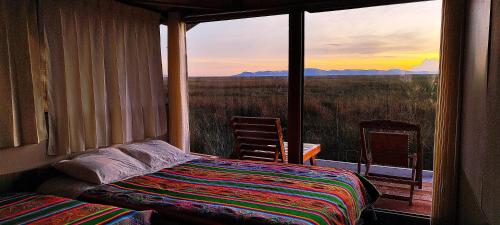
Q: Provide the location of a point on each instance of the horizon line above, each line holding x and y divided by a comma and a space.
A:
332, 75
410, 72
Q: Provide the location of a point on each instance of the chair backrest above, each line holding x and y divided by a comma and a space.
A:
387, 142
258, 138
389, 149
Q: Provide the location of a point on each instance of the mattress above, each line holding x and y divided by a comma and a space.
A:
31, 208
216, 191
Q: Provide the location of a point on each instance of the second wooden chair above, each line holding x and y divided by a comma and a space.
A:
388, 143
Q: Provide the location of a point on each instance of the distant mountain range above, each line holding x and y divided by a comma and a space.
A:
320, 72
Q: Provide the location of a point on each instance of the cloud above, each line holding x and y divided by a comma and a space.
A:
396, 42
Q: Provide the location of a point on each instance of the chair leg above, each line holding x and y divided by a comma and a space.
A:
313, 161
412, 188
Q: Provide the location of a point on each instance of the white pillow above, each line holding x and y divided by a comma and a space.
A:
156, 154
103, 166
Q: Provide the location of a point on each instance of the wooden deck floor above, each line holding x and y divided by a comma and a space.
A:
422, 198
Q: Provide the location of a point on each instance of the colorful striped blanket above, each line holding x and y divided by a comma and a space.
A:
30, 208
216, 191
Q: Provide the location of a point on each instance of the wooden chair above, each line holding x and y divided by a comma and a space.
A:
386, 142
258, 138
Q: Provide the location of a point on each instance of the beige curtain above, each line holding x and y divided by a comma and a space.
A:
105, 80
21, 99
177, 82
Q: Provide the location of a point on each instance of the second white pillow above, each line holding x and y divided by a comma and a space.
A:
156, 154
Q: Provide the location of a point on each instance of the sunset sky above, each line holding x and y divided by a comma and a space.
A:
404, 36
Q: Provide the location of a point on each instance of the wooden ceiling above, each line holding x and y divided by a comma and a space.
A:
195, 11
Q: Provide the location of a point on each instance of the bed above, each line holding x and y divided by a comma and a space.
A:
185, 189
31, 208
214, 191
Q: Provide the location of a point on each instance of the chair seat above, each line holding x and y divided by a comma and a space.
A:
389, 178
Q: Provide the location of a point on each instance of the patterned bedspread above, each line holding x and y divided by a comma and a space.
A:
30, 208
215, 191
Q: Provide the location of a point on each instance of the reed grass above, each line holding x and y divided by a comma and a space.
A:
333, 108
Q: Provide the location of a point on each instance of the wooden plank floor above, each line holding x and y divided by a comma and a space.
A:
422, 198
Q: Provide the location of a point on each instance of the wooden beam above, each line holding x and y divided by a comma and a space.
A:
148, 7
352, 4
185, 4
189, 26
446, 147
209, 17
284, 7
212, 10
295, 86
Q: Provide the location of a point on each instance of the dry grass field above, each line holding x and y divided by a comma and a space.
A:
334, 106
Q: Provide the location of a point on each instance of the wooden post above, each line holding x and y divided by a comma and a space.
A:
444, 204
178, 124
295, 86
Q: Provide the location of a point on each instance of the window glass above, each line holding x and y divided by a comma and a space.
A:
375, 63
236, 68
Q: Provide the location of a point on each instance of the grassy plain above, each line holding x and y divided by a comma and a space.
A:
333, 108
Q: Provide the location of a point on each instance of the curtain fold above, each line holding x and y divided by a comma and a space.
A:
21, 86
177, 83
104, 65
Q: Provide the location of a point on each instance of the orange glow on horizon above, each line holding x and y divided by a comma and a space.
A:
406, 62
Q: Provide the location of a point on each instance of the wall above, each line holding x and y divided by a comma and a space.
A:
16, 160
26, 157
490, 199
478, 187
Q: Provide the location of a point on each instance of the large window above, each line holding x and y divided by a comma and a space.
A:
236, 68
376, 63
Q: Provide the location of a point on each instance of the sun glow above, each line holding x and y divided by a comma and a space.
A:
395, 61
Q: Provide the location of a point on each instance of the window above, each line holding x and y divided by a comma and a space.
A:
376, 63
164, 58
236, 68
164, 48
